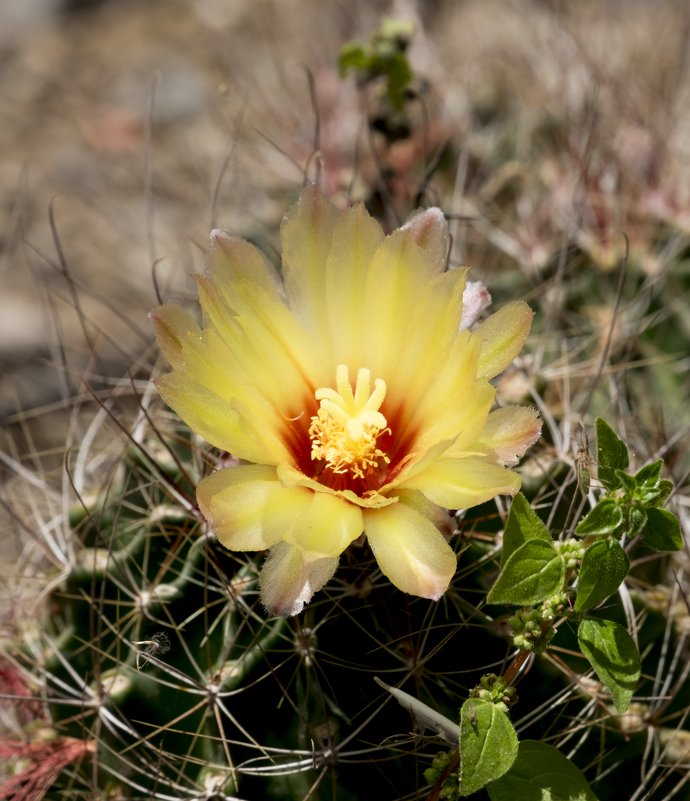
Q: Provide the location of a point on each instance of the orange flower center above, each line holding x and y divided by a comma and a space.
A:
345, 431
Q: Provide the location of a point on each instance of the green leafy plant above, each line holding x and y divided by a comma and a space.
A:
556, 583
384, 58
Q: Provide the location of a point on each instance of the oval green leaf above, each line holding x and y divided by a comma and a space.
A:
604, 566
662, 531
488, 744
612, 454
605, 518
533, 572
613, 654
541, 772
523, 524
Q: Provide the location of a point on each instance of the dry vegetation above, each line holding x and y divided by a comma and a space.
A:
555, 137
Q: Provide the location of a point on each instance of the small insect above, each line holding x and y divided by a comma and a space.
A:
158, 645
473, 719
583, 460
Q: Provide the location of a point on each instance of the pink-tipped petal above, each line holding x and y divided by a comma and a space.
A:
430, 231
475, 299
289, 579
509, 432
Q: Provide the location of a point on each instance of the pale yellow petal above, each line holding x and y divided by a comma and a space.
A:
410, 550
454, 404
248, 508
356, 236
441, 518
426, 335
266, 340
465, 482
306, 235
232, 260
398, 276
327, 526
502, 336
509, 432
172, 325
289, 578
410, 318
214, 419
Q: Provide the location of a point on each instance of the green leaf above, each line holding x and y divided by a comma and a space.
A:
541, 773
488, 744
663, 490
626, 481
637, 521
605, 518
399, 76
352, 57
650, 474
533, 572
661, 532
612, 653
612, 454
523, 524
604, 566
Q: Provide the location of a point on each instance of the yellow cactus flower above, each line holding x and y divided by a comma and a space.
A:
353, 392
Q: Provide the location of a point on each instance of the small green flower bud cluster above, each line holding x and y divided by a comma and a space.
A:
572, 551
493, 688
450, 790
554, 606
530, 631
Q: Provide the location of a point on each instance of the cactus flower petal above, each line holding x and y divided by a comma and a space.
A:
459, 483
289, 578
354, 390
411, 552
502, 336
509, 432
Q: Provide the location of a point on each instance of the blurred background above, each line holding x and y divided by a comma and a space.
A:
136, 126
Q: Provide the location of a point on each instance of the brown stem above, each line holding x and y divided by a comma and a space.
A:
515, 665
452, 765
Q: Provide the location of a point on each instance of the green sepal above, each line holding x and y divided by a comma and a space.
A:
532, 573
488, 744
612, 454
661, 531
523, 524
541, 772
613, 654
605, 518
604, 566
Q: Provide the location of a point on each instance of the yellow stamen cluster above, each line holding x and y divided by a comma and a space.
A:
345, 431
